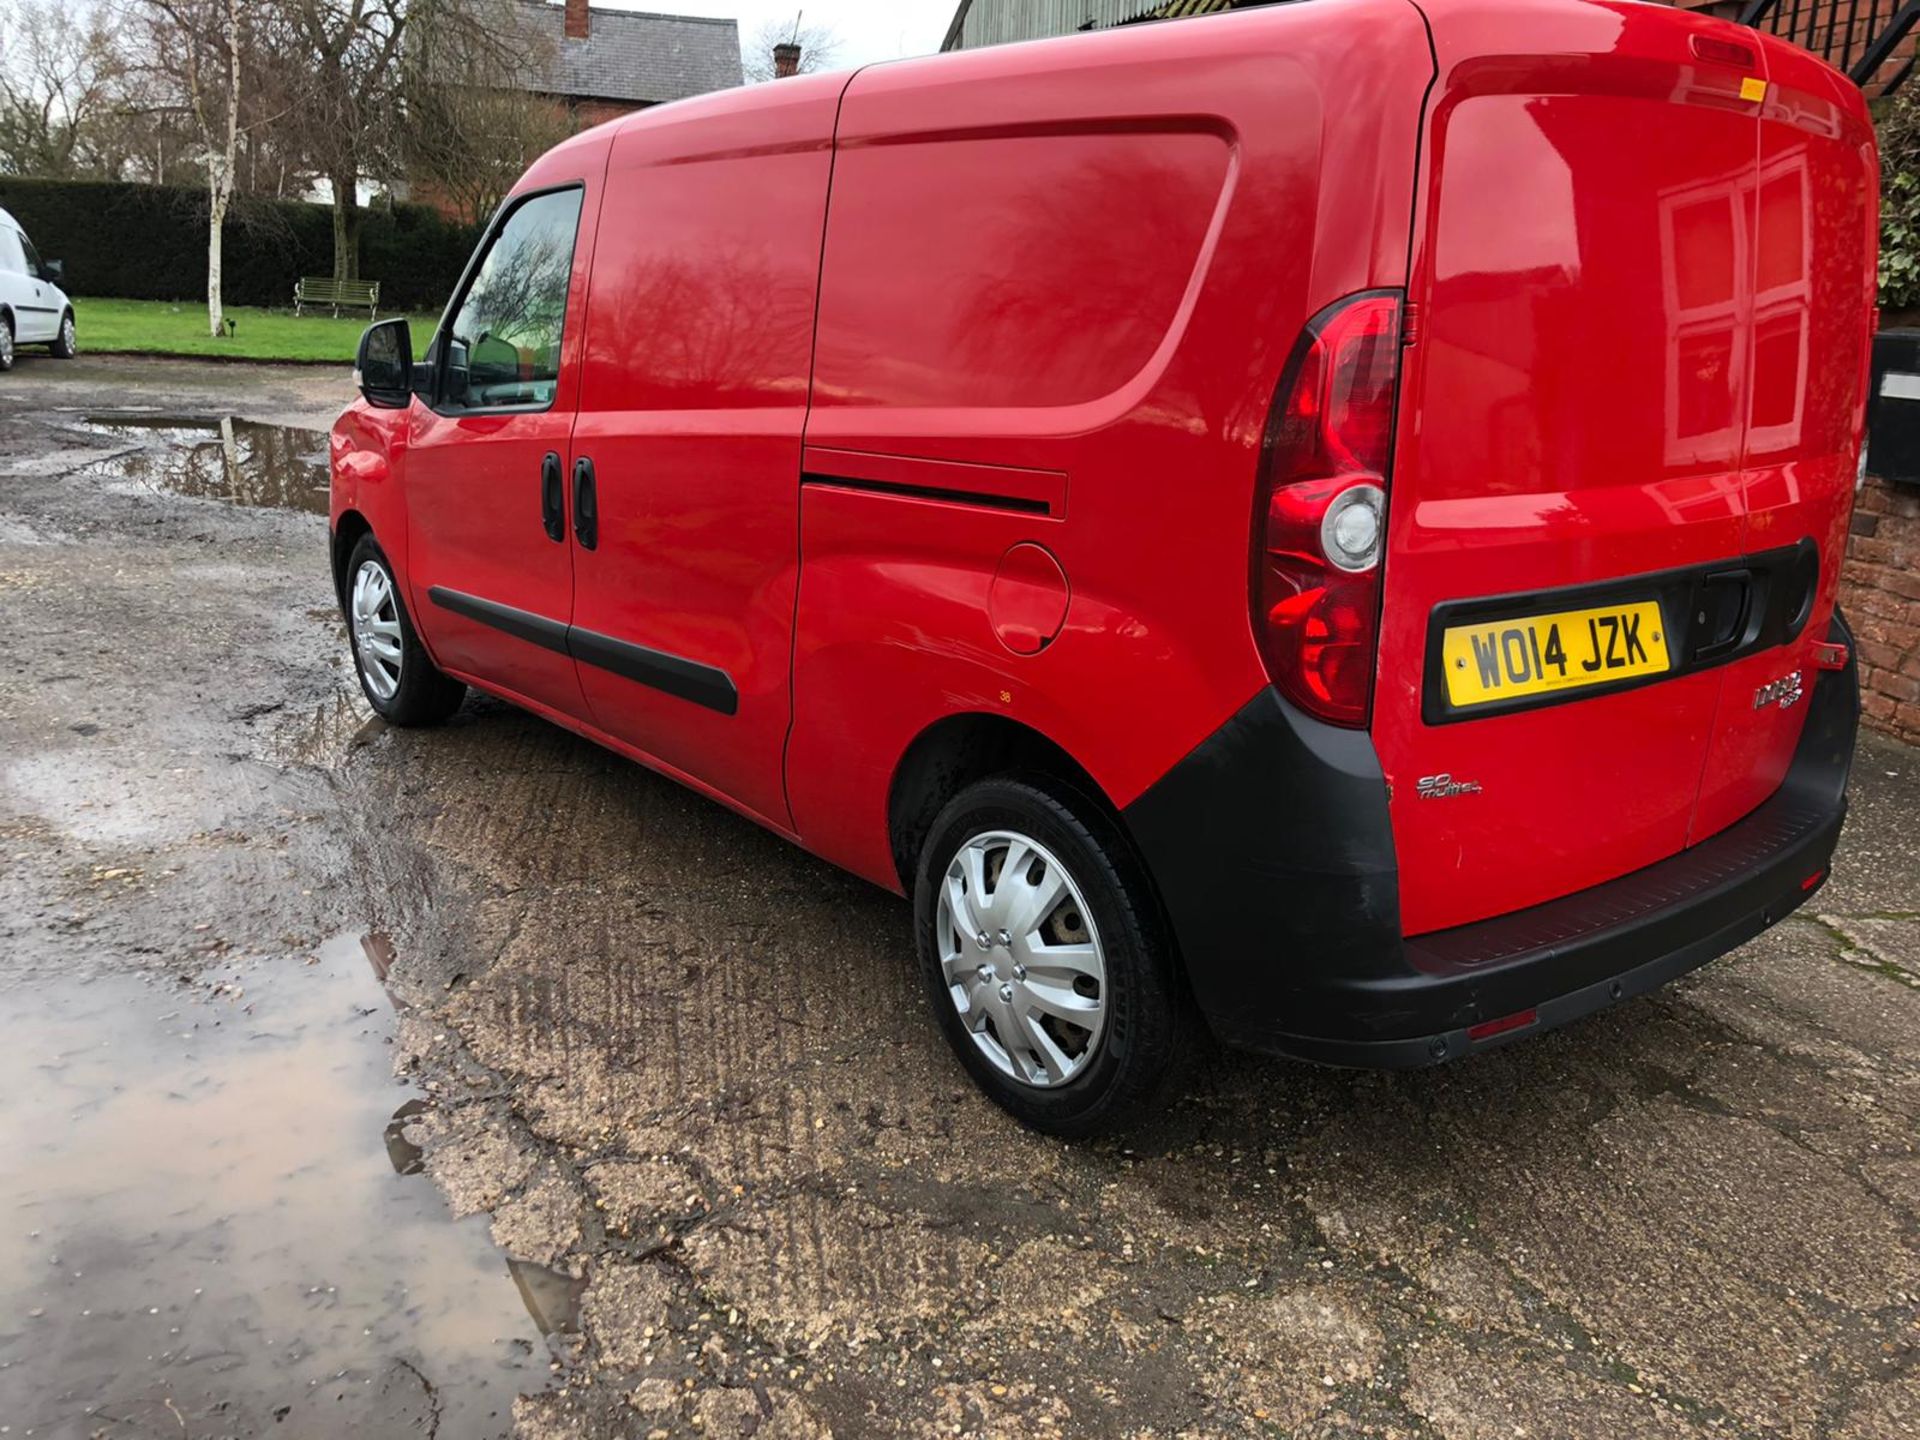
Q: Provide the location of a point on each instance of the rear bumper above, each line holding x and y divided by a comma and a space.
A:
1306, 959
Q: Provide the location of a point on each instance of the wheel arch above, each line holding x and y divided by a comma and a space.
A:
961, 749
347, 530
957, 750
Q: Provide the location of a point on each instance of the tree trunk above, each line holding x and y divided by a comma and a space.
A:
217, 214
346, 228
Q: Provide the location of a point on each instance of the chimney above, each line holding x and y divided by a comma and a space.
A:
786, 59
578, 20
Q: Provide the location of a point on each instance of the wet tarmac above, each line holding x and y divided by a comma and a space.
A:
216, 458
685, 1074
196, 1231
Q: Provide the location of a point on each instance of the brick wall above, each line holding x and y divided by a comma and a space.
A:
1838, 30
1880, 589
588, 113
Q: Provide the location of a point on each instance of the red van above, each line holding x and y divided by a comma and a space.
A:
1320, 522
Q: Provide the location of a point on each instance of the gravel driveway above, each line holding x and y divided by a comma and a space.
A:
476, 1081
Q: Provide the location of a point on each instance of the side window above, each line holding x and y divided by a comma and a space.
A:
12, 259
31, 255
503, 344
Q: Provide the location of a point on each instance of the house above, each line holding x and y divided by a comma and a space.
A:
608, 63
995, 22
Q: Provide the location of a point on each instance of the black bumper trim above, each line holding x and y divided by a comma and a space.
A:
1528, 982
1312, 964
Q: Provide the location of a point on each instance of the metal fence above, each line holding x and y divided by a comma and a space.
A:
1868, 39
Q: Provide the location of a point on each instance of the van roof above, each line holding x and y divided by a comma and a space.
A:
8, 221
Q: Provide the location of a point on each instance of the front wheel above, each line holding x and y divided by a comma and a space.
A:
6, 344
66, 344
399, 679
1045, 959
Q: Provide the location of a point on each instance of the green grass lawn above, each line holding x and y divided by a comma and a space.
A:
162, 327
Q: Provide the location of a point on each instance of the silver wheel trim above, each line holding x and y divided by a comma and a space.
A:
6, 343
1022, 958
68, 338
375, 624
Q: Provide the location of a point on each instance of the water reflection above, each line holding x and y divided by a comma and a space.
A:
277, 467
402, 1153
202, 1232
552, 1299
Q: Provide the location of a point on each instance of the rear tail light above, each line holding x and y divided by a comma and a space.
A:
1321, 525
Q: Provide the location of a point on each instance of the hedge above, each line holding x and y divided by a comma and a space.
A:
1900, 203
149, 242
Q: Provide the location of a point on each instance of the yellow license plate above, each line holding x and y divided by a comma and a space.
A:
1540, 654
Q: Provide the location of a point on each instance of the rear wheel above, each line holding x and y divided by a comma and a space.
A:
6, 344
1044, 959
400, 681
66, 344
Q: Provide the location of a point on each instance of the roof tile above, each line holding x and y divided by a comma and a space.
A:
639, 57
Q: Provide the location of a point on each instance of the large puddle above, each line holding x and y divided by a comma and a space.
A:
220, 458
211, 1221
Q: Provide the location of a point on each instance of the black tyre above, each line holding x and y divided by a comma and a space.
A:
399, 679
6, 344
1045, 958
66, 344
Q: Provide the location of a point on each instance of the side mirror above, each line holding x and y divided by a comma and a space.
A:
54, 270
384, 369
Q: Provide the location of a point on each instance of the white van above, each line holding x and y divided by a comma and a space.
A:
34, 310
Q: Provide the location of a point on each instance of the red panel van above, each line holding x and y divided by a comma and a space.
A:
1319, 524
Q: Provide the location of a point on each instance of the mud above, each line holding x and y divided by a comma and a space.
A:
683, 1078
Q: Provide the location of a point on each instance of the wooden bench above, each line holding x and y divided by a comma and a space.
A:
317, 290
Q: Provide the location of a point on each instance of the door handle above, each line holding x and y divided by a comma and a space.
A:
553, 518
1723, 605
586, 505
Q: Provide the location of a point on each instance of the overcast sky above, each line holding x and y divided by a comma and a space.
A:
869, 30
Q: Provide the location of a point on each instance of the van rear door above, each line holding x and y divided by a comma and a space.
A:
1568, 488
1814, 286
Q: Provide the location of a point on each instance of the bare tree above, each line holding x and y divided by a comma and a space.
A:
357, 58
819, 47
350, 52
206, 38
61, 77
468, 144
153, 134
476, 114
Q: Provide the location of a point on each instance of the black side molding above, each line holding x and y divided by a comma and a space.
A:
689, 680
521, 624
656, 669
